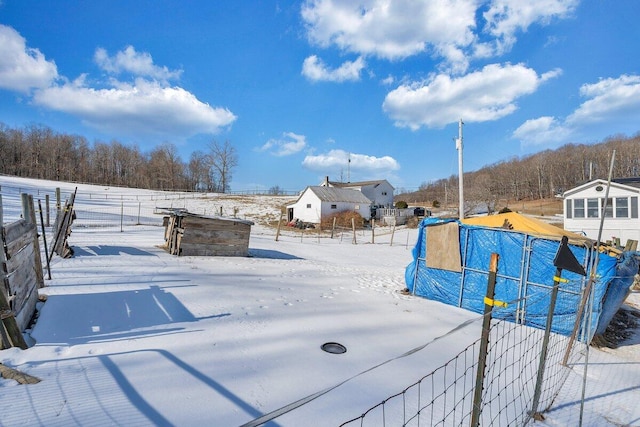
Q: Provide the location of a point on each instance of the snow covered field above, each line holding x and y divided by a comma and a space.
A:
131, 335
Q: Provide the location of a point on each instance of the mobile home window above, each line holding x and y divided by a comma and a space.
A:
334, 206
622, 207
308, 205
568, 208
592, 208
634, 207
578, 208
608, 208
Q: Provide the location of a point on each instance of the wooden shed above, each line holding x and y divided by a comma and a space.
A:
190, 234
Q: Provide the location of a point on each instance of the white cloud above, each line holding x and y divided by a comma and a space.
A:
505, 18
542, 130
314, 69
291, 144
452, 30
22, 68
611, 100
335, 160
388, 81
142, 108
137, 63
391, 30
485, 95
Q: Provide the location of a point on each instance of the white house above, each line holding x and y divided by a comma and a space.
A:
380, 192
583, 209
316, 202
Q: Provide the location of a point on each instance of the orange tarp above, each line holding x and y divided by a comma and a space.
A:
525, 224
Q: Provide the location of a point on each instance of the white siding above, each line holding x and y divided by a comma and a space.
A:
618, 222
308, 208
380, 194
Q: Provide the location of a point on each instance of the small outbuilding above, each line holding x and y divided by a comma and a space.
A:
317, 202
188, 234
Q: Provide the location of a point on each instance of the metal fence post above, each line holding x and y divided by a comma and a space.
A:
484, 341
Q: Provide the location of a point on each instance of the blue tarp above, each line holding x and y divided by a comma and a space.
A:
525, 277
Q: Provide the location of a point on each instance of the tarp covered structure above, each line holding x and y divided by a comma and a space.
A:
451, 262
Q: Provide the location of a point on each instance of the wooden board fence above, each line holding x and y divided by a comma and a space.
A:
21, 275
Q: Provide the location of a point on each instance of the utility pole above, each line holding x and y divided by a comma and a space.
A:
460, 172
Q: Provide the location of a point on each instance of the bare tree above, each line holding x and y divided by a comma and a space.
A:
198, 172
222, 160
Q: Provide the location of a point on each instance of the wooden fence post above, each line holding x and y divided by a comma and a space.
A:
393, 232
58, 202
484, 341
373, 231
30, 217
353, 228
279, 222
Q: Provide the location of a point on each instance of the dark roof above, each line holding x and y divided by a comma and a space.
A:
632, 182
357, 184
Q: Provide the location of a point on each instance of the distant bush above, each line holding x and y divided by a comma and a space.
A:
435, 204
343, 219
412, 222
401, 204
504, 210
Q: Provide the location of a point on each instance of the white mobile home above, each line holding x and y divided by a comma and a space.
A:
317, 202
583, 209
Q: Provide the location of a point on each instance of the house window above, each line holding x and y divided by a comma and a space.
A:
607, 204
384, 193
578, 208
592, 208
334, 206
634, 207
622, 207
308, 205
568, 208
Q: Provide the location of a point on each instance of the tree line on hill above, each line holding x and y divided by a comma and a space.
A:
36, 151
536, 176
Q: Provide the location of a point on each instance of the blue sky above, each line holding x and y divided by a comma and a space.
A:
300, 87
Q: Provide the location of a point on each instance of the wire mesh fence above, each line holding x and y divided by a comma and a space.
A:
126, 215
445, 396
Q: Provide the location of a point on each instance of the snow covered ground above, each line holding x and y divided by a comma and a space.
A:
131, 335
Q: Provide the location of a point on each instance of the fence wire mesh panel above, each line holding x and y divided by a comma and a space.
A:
113, 216
444, 397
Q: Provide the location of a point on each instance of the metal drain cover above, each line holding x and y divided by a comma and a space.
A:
333, 348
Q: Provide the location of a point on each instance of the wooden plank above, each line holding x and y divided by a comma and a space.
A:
214, 237
19, 244
216, 226
20, 260
16, 229
188, 249
24, 313
21, 284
